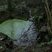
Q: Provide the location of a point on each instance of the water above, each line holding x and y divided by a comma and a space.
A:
22, 32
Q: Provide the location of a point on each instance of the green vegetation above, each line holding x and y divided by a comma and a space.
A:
19, 12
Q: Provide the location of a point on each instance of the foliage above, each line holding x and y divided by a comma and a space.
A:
41, 10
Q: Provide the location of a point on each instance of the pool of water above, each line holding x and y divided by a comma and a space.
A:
22, 32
